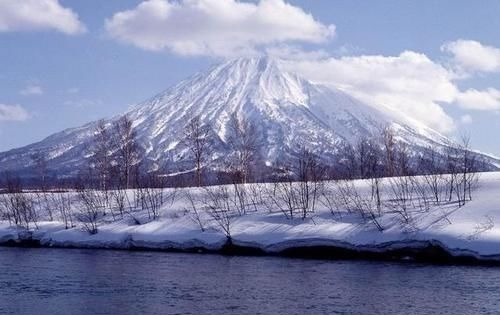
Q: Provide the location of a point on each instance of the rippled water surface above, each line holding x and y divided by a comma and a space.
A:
58, 281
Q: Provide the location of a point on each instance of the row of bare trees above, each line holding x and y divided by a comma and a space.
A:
116, 159
242, 141
302, 189
383, 163
115, 154
25, 208
85, 205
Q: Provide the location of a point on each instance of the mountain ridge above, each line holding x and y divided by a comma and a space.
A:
288, 111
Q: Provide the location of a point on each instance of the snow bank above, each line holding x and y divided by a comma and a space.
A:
472, 230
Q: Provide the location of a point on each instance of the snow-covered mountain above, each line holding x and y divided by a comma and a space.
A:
288, 113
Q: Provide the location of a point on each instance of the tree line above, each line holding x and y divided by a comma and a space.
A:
376, 176
116, 158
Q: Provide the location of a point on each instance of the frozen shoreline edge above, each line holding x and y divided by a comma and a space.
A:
420, 251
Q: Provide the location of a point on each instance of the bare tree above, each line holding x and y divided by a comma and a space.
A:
127, 153
283, 194
63, 201
346, 196
193, 210
422, 193
403, 160
309, 174
370, 157
219, 208
347, 157
40, 164
121, 201
44, 203
362, 152
18, 205
91, 208
197, 140
402, 194
239, 196
467, 169
150, 195
389, 151
432, 172
101, 160
452, 168
244, 144
299, 188
256, 195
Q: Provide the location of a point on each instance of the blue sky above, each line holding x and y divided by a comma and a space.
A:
437, 61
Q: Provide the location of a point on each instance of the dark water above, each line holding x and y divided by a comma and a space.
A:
57, 281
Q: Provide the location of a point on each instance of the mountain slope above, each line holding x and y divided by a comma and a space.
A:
287, 111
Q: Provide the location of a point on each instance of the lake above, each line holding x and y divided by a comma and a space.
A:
74, 281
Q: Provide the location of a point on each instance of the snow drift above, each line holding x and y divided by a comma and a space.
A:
467, 233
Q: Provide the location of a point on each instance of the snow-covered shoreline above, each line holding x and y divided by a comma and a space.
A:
469, 234
427, 251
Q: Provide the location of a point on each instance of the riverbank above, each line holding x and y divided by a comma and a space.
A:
431, 251
440, 233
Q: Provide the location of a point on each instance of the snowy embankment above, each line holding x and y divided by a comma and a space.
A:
189, 220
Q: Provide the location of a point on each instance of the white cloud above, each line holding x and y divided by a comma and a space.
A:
471, 55
466, 119
487, 100
37, 15
215, 27
410, 83
13, 113
293, 52
32, 90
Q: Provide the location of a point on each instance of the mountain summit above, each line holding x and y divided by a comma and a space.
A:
286, 111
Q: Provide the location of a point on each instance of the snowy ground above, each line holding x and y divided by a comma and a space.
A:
473, 229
